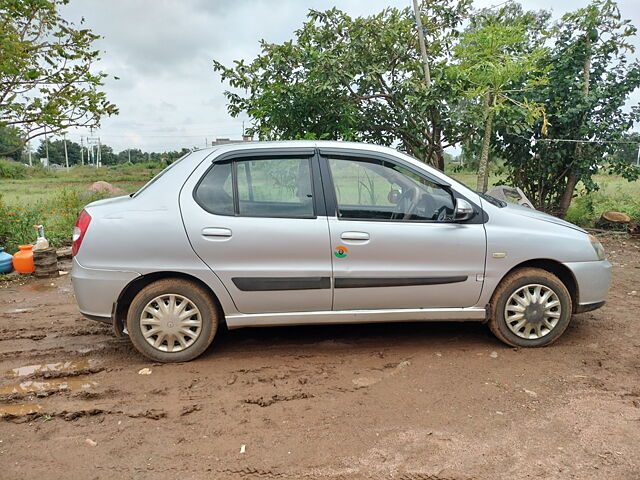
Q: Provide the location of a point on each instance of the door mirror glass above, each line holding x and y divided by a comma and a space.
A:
464, 210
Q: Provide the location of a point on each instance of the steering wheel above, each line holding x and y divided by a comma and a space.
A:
406, 205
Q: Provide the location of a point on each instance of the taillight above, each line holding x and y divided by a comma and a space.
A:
84, 219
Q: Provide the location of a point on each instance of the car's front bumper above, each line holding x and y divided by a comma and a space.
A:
96, 290
593, 280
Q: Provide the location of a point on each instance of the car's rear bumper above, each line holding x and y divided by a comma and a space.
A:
96, 290
593, 280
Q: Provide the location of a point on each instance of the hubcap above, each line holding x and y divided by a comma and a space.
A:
171, 323
532, 311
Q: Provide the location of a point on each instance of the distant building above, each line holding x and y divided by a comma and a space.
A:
224, 141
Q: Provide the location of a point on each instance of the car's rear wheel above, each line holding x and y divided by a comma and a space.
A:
172, 320
530, 308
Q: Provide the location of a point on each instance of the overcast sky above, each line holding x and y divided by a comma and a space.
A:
162, 50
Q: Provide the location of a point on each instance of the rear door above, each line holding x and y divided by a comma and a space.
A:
394, 240
258, 221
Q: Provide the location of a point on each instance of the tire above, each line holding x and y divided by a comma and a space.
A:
539, 324
148, 320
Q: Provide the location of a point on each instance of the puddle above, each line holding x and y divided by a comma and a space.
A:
20, 310
68, 366
37, 287
36, 386
19, 410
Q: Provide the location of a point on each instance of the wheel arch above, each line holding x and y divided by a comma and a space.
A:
121, 305
563, 273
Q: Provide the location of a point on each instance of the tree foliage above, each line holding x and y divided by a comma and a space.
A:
46, 80
355, 79
588, 82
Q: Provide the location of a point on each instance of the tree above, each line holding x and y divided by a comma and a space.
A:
46, 82
493, 58
588, 82
11, 142
356, 79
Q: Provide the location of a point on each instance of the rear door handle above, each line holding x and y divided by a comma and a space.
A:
355, 236
216, 232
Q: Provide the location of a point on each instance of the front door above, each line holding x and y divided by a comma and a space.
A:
394, 241
255, 222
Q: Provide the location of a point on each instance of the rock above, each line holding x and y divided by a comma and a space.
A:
493, 354
91, 443
144, 371
105, 187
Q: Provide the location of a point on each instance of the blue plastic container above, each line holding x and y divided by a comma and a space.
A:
6, 264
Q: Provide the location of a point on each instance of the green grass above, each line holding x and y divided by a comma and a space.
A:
54, 199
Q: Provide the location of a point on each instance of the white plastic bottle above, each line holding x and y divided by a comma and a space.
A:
41, 242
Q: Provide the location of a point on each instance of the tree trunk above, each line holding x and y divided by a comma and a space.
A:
438, 151
483, 168
613, 221
567, 195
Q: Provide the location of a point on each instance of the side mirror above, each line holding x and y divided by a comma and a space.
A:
394, 195
464, 211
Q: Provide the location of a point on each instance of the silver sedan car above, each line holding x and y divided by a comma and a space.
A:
304, 232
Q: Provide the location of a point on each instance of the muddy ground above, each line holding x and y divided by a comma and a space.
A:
403, 401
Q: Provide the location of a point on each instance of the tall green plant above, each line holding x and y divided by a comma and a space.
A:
491, 60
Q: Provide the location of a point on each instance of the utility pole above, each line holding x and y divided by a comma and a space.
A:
99, 162
29, 151
46, 145
81, 151
129, 152
206, 142
423, 48
66, 155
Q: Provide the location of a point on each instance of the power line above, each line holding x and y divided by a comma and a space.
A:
559, 140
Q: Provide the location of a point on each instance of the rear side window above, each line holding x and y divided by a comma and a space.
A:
265, 187
215, 191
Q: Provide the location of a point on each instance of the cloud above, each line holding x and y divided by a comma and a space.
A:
162, 51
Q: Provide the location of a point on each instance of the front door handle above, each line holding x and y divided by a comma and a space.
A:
216, 232
355, 236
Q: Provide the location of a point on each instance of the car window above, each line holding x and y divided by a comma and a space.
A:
375, 190
275, 187
265, 188
215, 191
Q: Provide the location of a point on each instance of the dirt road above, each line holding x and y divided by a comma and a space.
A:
404, 401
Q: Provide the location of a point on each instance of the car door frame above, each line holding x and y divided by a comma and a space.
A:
480, 217
280, 283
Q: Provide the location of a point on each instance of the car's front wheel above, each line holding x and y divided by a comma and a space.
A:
530, 308
172, 320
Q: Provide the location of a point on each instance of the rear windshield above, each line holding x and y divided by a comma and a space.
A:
154, 179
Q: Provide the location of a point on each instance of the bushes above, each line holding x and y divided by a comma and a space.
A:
587, 208
58, 215
11, 169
